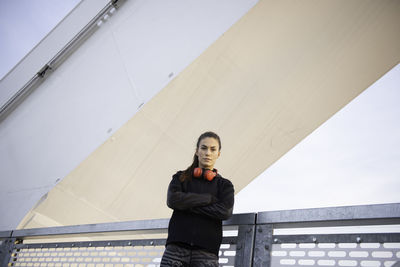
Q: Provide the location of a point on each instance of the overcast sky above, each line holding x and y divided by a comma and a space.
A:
352, 159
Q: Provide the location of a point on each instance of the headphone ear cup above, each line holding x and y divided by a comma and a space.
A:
197, 172
209, 175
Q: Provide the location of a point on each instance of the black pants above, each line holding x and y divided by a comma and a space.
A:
177, 256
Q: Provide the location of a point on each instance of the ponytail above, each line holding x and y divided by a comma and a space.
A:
187, 174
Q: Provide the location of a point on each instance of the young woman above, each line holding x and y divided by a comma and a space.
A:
201, 198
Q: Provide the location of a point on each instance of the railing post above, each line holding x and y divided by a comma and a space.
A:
6, 249
263, 245
245, 246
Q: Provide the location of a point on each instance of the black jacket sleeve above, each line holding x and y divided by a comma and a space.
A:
179, 200
223, 207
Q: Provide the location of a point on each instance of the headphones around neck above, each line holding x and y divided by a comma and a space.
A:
206, 174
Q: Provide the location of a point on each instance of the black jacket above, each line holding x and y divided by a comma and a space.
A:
199, 208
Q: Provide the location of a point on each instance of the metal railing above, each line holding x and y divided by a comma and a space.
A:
252, 239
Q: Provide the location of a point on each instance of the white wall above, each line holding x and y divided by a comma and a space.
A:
130, 58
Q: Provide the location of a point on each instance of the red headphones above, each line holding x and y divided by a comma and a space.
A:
207, 174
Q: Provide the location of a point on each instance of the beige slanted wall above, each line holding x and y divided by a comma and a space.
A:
268, 82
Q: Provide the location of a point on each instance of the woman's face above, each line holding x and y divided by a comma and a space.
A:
208, 152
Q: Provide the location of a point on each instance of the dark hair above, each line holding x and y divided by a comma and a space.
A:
187, 174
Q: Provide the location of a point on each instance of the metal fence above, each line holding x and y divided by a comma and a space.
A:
309, 237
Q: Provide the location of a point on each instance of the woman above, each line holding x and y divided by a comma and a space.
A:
201, 198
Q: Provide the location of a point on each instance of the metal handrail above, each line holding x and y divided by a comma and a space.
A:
139, 225
381, 214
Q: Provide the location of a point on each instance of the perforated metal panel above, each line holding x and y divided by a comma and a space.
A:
227, 255
331, 254
102, 256
89, 256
